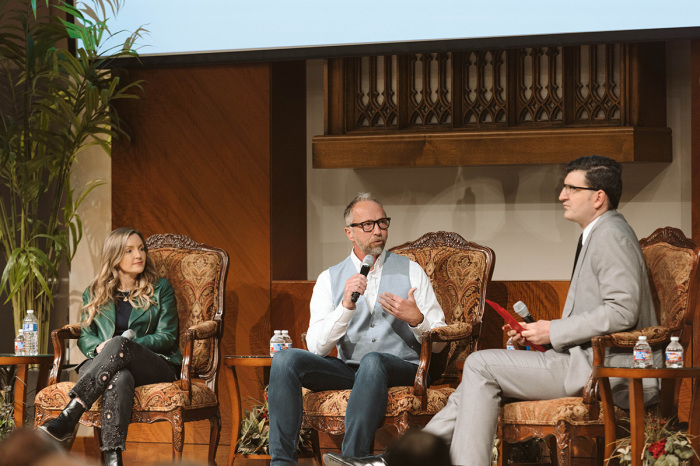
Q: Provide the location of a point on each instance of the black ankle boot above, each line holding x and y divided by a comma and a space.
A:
63, 428
113, 458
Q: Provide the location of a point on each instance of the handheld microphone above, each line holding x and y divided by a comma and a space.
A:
129, 334
367, 264
521, 309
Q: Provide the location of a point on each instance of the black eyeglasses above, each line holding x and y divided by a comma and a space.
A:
382, 223
569, 188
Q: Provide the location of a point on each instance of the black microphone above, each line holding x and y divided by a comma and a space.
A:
521, 309
367, 264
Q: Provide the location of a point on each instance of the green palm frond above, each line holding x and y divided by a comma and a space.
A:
56, 102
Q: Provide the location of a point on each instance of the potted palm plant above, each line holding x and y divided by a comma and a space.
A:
56, 99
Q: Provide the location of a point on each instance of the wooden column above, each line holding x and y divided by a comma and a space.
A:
218, 153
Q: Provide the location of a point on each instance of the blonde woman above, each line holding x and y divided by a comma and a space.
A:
129, 335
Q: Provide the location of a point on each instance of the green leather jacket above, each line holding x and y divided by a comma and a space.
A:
155, 327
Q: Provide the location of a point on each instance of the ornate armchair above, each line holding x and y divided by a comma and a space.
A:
198, 275
672, 263
459, 272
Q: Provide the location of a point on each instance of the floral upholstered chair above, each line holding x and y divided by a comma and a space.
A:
198, 275
672, 263
459, 272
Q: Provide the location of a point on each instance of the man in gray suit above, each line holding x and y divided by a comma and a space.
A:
609, 292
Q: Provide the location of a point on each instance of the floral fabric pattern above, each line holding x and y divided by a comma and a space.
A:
456, 276
669, 281
195, 279
550, 412
401, 399
155, 397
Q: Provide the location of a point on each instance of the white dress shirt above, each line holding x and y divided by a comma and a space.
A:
328, 324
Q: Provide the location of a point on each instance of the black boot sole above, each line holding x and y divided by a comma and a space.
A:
66, 441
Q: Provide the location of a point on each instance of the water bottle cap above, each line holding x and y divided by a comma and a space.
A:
642, 338
30, 311
277, 332
674, 338
285, 331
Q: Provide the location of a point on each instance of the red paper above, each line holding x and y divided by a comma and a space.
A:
514, 324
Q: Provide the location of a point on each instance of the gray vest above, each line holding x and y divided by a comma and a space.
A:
378, 331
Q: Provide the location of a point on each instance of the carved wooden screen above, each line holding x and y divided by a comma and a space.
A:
529, 87
494, 106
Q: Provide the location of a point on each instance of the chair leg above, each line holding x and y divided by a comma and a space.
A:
97, 433
564, 444
552, 448
599, 450
214, 435
178, 436
501, 445
316, 447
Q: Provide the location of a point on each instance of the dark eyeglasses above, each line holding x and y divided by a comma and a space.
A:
382, 223
569, 188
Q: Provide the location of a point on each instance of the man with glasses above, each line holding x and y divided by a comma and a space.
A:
609, 293
378, 336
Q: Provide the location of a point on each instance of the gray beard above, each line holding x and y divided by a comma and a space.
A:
374, 251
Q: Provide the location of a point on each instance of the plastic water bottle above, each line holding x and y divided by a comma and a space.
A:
19, 343
287, 340
510, 344
30, 327
276, 342
674, 354
642, 353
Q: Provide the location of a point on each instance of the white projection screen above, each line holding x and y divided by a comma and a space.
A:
186, 31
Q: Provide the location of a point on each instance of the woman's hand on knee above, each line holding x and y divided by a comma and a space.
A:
100, 346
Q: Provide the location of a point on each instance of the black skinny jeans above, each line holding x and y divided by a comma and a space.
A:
114, 373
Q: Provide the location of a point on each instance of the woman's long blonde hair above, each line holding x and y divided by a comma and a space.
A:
104, 287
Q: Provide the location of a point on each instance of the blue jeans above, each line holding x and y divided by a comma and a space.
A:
293, 369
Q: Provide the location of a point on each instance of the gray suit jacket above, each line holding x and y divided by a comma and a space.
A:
609, 293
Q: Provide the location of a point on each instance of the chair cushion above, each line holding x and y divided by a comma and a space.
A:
669, 268
154, 397
550, 412
401, 399
195, 276
457, 279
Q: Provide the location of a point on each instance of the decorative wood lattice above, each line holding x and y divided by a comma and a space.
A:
528, 87
474, 107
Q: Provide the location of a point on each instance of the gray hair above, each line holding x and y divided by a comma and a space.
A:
359, 198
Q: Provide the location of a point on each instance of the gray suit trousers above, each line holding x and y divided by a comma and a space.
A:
468, 422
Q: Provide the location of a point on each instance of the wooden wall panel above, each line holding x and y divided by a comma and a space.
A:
695, 144
545, 299
200, 163
695, 175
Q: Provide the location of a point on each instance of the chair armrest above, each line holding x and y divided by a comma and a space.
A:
200, 331
452, 332
204, 330
656, 336
58, 337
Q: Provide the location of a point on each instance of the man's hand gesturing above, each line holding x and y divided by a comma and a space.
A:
403, 309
